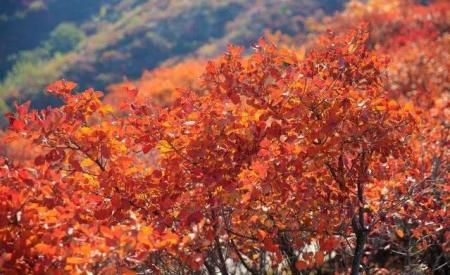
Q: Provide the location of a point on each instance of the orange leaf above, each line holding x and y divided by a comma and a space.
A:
106, 232
61, 87
171, 238
144, 234
45, 249
254, 219
75, 260
260, 168
261, 234
400, 233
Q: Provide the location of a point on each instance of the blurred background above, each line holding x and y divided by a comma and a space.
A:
100, 42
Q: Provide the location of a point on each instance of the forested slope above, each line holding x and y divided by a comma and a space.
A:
100, 42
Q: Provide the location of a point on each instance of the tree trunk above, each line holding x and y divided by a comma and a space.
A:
289, 252
361, 237
222, 262
210, 268
358, 224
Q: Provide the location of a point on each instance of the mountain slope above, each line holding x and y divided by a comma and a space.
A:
119, 39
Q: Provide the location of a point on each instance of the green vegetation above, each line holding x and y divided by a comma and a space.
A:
33, 69
21, 9
64, 38
123, 38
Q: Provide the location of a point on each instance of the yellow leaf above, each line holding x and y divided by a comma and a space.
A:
352, 48
164, 147
244, 118
408, 107
90, 180
380, 108
105, 109
86, 162
258, 114
85, 130
143, 236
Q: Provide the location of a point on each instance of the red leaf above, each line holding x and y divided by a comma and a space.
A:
146, 148
319, 82
300, 265
61, 87
157, 174
23, 174
103, 213
195, 217
235, 98
328, 244
22, 110
116, 201
270, 246
76, 165
319, 257
55, 155
39, 160
196, 261
17, 125
131, 90
105, 151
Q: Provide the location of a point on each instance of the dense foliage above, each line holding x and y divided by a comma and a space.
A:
328, 158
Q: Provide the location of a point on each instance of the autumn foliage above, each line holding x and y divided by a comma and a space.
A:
333, 161
162, 85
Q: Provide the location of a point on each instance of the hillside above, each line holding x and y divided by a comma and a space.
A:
122, 38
